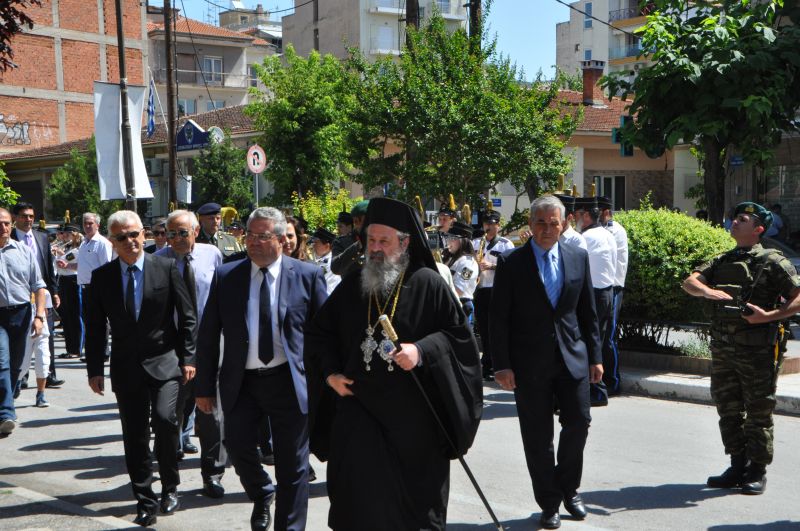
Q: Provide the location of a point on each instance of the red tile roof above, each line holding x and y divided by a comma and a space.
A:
195, 27
596, 118
228, 118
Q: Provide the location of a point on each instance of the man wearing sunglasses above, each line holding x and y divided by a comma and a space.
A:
196, 263
140, 295
159, 236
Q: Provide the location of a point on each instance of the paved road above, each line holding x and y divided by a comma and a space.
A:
646, 464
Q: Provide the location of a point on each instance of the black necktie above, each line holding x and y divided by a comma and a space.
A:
130, 294
265, 353
188, 278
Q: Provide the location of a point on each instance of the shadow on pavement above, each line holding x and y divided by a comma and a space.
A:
782, 525
670, 496
526, 524
497, 411
44, 423
87, 443
95, 467
95, 407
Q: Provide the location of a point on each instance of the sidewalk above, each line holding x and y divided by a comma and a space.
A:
695, 388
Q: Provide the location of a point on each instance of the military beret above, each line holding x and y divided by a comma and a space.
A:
756, 210
491, 216
462, 230
345, 217
324, 235
208, 209
360, 209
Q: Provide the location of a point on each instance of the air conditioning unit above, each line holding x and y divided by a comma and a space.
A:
154, 166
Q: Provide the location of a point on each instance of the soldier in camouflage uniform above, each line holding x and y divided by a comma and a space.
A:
754, 290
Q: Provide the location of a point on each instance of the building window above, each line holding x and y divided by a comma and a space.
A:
212, 105
243, 19
587, 18
384, 38
186, 106
587, 55
212, 69
612, 187
253, 75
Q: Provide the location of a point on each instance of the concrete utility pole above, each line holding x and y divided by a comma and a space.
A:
171, 104
412, 18
127, 157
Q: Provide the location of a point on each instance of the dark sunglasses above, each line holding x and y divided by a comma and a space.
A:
122, 236
173, 233
159, 232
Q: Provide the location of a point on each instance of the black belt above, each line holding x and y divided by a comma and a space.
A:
14, 307
267, 371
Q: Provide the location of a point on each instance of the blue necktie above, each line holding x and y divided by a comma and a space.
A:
265, 353
550, 278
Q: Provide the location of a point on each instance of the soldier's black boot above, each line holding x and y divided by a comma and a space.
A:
732, 477
755, 479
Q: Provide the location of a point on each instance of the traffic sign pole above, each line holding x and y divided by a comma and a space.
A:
256, 162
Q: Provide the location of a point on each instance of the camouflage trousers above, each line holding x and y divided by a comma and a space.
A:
743, 383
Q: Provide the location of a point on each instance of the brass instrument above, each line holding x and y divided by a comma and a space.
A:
420, 207
66, 217
452, 203
466, 214
228, 214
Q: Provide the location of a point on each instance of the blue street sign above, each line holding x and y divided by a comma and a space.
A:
191, 136
497, 202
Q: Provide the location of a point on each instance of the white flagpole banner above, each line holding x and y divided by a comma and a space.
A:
107, 131
185, 189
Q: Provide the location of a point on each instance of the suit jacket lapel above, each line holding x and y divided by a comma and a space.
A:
533, 268
287, 276
568, 263
116, 286
241, 283
149, 276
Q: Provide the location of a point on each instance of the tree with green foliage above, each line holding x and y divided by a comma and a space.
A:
322, 210
449, 117
725, 76
8, 197
220, 176
303, 114
76, 187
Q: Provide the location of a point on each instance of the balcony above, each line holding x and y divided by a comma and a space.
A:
623, 52
388, 7
630, 12
195, 77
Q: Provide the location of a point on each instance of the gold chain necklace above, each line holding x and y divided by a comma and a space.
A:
385, 347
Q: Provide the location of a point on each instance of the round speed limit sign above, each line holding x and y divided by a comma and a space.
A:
256, 159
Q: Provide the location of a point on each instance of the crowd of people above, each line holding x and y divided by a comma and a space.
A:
255, 341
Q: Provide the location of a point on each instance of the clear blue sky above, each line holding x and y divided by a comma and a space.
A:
525, 29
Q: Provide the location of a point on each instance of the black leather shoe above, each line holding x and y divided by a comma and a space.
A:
54, 382
213, 488
169, 502
312, 476
189, 448
180, 455
755, 479
260, 519
266, 459
144, 518
550, 520
575, 507
17, 391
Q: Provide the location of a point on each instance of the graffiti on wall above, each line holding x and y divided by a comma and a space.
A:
14, 133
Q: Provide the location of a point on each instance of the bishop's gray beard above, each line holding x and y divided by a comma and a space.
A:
380, 273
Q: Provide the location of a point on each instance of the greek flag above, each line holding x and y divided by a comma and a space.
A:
151, 110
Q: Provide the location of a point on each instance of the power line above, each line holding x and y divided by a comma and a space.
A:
250, 10
197, 61
591, 17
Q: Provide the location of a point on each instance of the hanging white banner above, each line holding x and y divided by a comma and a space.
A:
108, 141
185, 188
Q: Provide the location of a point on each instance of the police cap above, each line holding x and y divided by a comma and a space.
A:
567, 200
491, 216
345, 218
462, 230
324, 235
755, 210
209, 209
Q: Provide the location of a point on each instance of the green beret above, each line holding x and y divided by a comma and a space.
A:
756, 210
360, 208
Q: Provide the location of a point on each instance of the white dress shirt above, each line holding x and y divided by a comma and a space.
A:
498, 245
92, 254
279, 355
331, 279
602, 250
621, 237
465, 276
573, 237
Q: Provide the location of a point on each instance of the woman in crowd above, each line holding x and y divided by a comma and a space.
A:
460, 258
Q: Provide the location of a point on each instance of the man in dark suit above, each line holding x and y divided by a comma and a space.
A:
139, 295
262, 305
39, 244
546, 345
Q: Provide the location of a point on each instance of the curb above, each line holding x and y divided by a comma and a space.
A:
696, 388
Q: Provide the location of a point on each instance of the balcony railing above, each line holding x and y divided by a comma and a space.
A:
389, 4
621, 52
630, 12
195, 77
378, 45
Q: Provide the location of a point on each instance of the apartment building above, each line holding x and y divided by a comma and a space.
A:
256, 22
48, 99
214, 65
376, 27
584, 38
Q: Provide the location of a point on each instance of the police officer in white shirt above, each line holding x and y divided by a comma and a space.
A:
460, 258
487, 249
603, 266
321, 242
568, 234
611, 374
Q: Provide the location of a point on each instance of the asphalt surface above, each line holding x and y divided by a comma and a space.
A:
646, 462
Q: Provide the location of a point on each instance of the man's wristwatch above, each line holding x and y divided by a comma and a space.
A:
40, 317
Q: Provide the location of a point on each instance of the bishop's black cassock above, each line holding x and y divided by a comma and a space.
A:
388, 459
